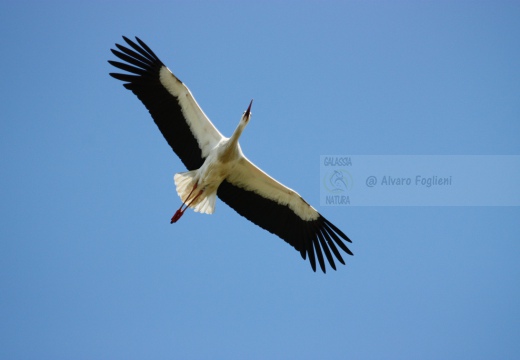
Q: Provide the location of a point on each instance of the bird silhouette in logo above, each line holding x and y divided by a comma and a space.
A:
338, 182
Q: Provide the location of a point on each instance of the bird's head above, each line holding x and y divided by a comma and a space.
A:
244, 120
247, 114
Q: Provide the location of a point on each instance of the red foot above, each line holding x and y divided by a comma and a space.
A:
176, 216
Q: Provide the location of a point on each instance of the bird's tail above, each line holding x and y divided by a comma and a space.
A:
197, 199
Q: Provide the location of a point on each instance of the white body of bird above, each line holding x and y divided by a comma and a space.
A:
198, 188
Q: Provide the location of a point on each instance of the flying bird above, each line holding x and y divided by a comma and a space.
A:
216, 164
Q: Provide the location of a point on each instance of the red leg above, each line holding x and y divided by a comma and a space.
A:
181, 211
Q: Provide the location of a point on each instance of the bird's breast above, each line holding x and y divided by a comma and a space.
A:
214, 171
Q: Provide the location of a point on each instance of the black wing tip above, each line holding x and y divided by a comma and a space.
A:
140, 53
129, 41
324, 238
336, 230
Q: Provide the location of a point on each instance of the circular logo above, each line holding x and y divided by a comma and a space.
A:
338, 181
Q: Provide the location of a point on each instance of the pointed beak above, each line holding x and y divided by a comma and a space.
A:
248, 111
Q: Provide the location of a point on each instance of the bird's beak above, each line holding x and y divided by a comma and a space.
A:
248, 111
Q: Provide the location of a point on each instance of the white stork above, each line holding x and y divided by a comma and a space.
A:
217, 165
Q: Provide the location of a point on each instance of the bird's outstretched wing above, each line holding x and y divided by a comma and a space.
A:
282, 211
180, 119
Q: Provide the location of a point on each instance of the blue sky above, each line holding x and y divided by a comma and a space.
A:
90, 267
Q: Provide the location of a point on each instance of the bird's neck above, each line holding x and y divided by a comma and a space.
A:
232, 148
233, 140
